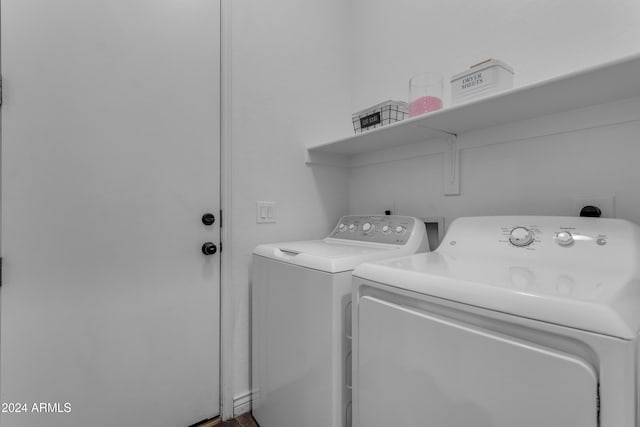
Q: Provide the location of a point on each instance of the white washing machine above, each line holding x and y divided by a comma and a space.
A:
512, 321
301, 318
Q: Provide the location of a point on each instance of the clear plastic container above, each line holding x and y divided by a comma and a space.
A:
425, 93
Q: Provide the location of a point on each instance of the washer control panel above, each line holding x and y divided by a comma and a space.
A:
390, 229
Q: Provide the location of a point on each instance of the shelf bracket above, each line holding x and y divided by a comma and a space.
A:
451, 169
313, 158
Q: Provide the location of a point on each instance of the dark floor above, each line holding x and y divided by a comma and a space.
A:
245, 420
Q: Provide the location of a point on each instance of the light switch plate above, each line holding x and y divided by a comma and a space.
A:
265, 212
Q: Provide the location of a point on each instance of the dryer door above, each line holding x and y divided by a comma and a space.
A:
415, 369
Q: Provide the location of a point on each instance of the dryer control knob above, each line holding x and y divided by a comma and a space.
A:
564, 238
400, 229
521, 236
386, 229
352, 227
342, 227
366, 227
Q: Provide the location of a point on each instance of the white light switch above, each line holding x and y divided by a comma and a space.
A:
265, 212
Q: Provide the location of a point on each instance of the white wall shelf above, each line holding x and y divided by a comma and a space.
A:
597, 85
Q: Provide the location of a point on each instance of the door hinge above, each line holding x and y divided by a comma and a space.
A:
598, 403
220, 246
220, 218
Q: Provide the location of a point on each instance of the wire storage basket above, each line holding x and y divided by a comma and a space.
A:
379, 115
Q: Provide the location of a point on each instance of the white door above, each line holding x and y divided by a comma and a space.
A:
110, 157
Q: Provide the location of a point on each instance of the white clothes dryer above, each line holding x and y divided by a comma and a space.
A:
512, 321
301, 318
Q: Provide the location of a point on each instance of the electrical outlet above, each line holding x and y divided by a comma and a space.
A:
265, 212
605, 203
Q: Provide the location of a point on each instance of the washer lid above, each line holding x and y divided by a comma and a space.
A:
329, 255
587, 285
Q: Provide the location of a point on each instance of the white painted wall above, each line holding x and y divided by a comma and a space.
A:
539, 38
300, 68
289, 86
532, 167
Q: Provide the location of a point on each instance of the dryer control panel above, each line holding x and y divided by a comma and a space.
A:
545, 239
390, 229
